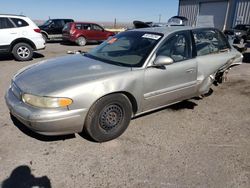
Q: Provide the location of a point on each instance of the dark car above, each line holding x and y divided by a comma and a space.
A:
83, 32
173, 21
240, 33
52, 28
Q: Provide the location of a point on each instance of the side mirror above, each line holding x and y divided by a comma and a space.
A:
163, 60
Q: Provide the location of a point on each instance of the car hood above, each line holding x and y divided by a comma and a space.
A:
53, 76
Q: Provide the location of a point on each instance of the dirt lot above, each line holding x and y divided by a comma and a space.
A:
197, 143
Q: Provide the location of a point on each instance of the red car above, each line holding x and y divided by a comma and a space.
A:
83, 32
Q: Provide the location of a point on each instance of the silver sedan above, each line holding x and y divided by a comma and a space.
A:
134, 72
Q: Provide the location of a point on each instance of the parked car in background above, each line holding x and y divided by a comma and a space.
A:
240, 33
132, 73
52, 28
173, 21
19, 36
83, 32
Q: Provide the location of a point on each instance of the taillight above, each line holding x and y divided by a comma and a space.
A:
37, 30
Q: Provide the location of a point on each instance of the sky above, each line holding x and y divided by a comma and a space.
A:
93, 10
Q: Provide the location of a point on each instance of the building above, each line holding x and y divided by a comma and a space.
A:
225, 13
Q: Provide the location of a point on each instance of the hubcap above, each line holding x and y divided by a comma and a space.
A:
23, 52
82, 41
110, 117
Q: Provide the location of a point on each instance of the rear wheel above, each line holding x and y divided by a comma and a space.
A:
81, 41
108, 118
22, 52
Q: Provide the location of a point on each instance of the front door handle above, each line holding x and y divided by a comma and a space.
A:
190, 70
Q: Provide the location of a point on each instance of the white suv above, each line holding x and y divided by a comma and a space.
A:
19, 36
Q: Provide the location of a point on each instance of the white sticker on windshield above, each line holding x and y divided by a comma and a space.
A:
151, 36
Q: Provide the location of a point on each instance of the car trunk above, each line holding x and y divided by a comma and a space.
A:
66, 31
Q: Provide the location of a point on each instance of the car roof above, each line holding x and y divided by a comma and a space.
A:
166, 30
85, 23
12, 15
60, 19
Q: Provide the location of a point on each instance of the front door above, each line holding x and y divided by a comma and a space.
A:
171, 83
97, 33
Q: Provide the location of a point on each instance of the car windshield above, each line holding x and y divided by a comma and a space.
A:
47, 22
129, 48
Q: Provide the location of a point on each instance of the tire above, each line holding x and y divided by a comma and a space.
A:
45, 37
108, 117
22, 52
244, 39
81, 41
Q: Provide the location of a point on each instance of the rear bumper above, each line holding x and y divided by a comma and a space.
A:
46, 121
39, 43
68, 38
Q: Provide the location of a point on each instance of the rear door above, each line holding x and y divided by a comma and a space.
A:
58, 26
8, 33
174, 82
213, 51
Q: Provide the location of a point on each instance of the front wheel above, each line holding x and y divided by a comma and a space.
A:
22, 52
108, 118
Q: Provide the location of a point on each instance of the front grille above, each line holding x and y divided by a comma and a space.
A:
16, 91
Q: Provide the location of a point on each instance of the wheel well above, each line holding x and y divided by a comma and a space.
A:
44, 33
24, 40
131, 99
81, 36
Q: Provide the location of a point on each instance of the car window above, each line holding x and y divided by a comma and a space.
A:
19, 22
129, 48
5, 23
67, 27
58, 23
46, 23
209, 41
97, 27
81, 26
86, 26
177, 47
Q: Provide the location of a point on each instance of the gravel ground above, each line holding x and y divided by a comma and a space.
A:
197, 143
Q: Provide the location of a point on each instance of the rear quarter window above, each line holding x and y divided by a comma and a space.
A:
19, 22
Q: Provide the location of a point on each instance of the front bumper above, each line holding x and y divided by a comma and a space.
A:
46, 121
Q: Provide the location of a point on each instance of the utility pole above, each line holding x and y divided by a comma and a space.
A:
159, 18
115, 23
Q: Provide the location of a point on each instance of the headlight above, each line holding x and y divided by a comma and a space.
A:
237, 33
46, 102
